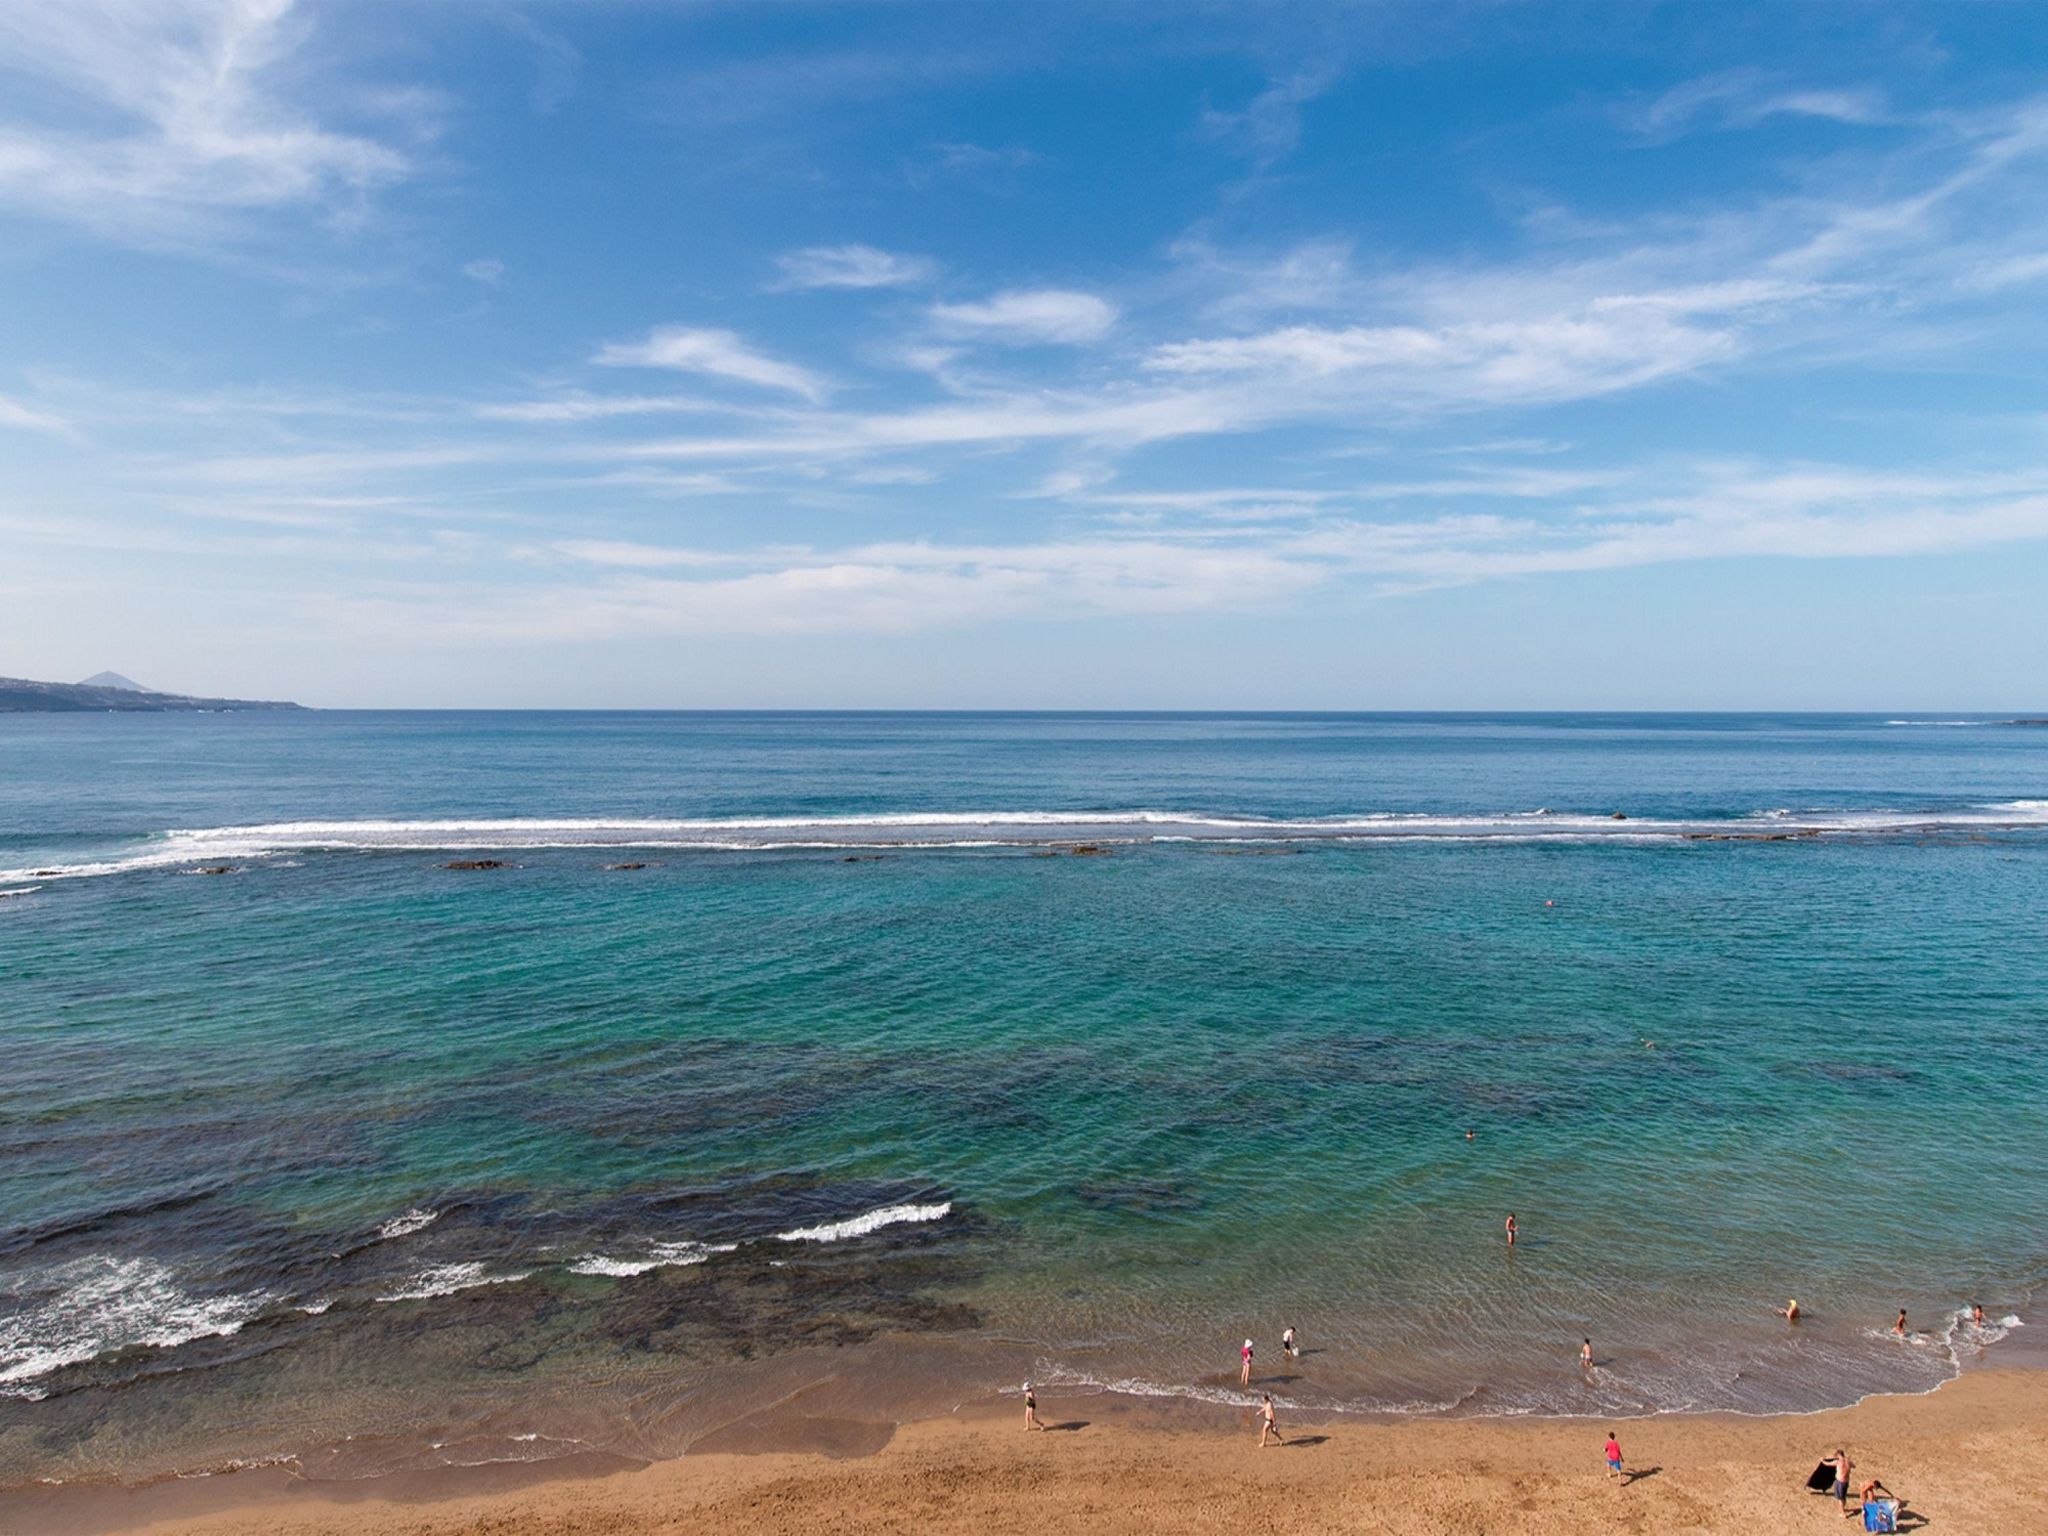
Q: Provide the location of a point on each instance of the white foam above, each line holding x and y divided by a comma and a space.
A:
447, 1279
872, 1221
973, 829
93, 1306
415, 1220
658, 1256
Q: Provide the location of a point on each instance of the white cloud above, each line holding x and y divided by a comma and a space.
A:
1269, 125
189, 123
1031, 315
14, 414
720, 354
585, 407
1744, 98
852, 266
487, 270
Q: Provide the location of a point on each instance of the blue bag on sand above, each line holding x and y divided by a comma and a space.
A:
1881, 1515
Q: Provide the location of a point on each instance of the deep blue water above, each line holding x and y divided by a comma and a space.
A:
863, 1073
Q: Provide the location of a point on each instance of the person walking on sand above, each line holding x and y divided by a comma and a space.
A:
1512, 1229
1244, 1376
1586, 1355
1269, 1423
1288, 1346
1841, 1489
1031, 1408
1614, 1459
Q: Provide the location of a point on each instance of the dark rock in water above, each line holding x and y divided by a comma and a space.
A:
1618, 816
475, 864
1085, 850
625, 866
213, 869
863, 858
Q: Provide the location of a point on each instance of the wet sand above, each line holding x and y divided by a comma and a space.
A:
1970, 1458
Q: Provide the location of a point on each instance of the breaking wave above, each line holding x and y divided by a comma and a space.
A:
92, 1306
871, 1221
181, 847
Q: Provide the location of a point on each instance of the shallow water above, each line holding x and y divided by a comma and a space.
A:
865, 1084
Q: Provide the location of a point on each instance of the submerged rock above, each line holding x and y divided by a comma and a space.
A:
475, 864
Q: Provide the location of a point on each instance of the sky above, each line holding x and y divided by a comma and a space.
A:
963, 356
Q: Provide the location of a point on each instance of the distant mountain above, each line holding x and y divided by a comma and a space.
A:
19, 695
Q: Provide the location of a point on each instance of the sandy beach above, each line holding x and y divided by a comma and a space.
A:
1970, 1458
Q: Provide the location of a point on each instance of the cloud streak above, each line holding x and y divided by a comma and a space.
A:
716, 353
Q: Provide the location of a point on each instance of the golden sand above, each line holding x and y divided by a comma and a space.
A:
1971, 1458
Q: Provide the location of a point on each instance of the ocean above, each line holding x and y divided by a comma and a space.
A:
856, 1066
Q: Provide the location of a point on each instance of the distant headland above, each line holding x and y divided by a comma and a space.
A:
111, 691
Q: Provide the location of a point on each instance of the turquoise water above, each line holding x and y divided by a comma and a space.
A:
865, 1086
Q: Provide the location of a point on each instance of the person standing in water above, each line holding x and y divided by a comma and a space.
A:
1789, 1311
1269, 1424
1614, 1458
1031, 1408
1977, 1313
1900, 1326
1586, 1355
1244, 1376
1288, 1346
1512, 1229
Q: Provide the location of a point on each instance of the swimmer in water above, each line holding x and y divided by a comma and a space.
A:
1789, 1311
1268, 1423
1468, 1135
1900, 1326
1512, 1229
1244, 1376
1977, 1313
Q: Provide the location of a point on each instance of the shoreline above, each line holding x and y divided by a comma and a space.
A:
1970, 1455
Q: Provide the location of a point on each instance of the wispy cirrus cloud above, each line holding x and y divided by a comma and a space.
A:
1030, 315
1269, 125
717, 353
29, 419
852, 266
189, 119
1743, 98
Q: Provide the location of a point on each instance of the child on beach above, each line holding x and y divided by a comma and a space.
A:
1244, 1376
1268, 1423
1614, 1457
1288, 1347
1031, 1408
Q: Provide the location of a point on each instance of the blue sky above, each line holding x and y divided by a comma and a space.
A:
1319, 357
